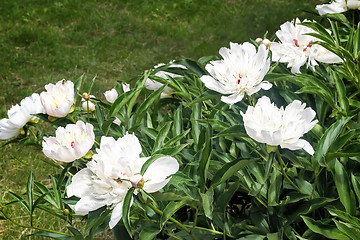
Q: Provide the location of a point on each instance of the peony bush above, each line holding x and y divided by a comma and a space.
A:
261, 142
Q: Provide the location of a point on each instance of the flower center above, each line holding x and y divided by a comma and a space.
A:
308, 46
296, 42
72, 144
239, 79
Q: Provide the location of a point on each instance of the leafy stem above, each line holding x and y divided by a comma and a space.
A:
282, 166
158, 211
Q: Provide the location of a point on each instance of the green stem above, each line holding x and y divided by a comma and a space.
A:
71, 118
208, 230
282, 165
32, 227
269, 165
158, 211
195, 218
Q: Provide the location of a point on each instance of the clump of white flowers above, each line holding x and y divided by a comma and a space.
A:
114, 169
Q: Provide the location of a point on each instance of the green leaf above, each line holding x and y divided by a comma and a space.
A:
355, 180
141, 111
205, 156
346, 195
341, 90
195, 125
308, 207
274, 189
99, 115
228, 170
329, 137
192, 66
21, 201
223, 200
29, 190
177, 138
63, 236
348, 229
121, 101
77, 85
74, 231
170, 210
161, 136
178, 122
344, 216
323, 33
48, 197
139, 86
172, 151
38, 200
149, 231
207, 202
326, 230
126, 209
91, 84
56, 191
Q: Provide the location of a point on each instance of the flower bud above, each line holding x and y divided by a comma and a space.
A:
86, 96
72, 109
137, 181
89, 154
266, 42
258, 40
22, 132
66, 211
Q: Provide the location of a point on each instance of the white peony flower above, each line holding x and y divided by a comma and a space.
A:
241, 71
88, 104
19, 115
70, 143
153, 85
296, 48
111, 95
58, 99
338, 6
114, 169
268, 124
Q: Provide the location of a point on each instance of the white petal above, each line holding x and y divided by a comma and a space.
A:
87, 204
232, 99
80, 184
300, 144
116, 215
156, 175
213, 84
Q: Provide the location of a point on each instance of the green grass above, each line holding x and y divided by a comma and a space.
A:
43, 41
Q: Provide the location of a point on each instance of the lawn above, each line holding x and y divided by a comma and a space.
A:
43, 41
